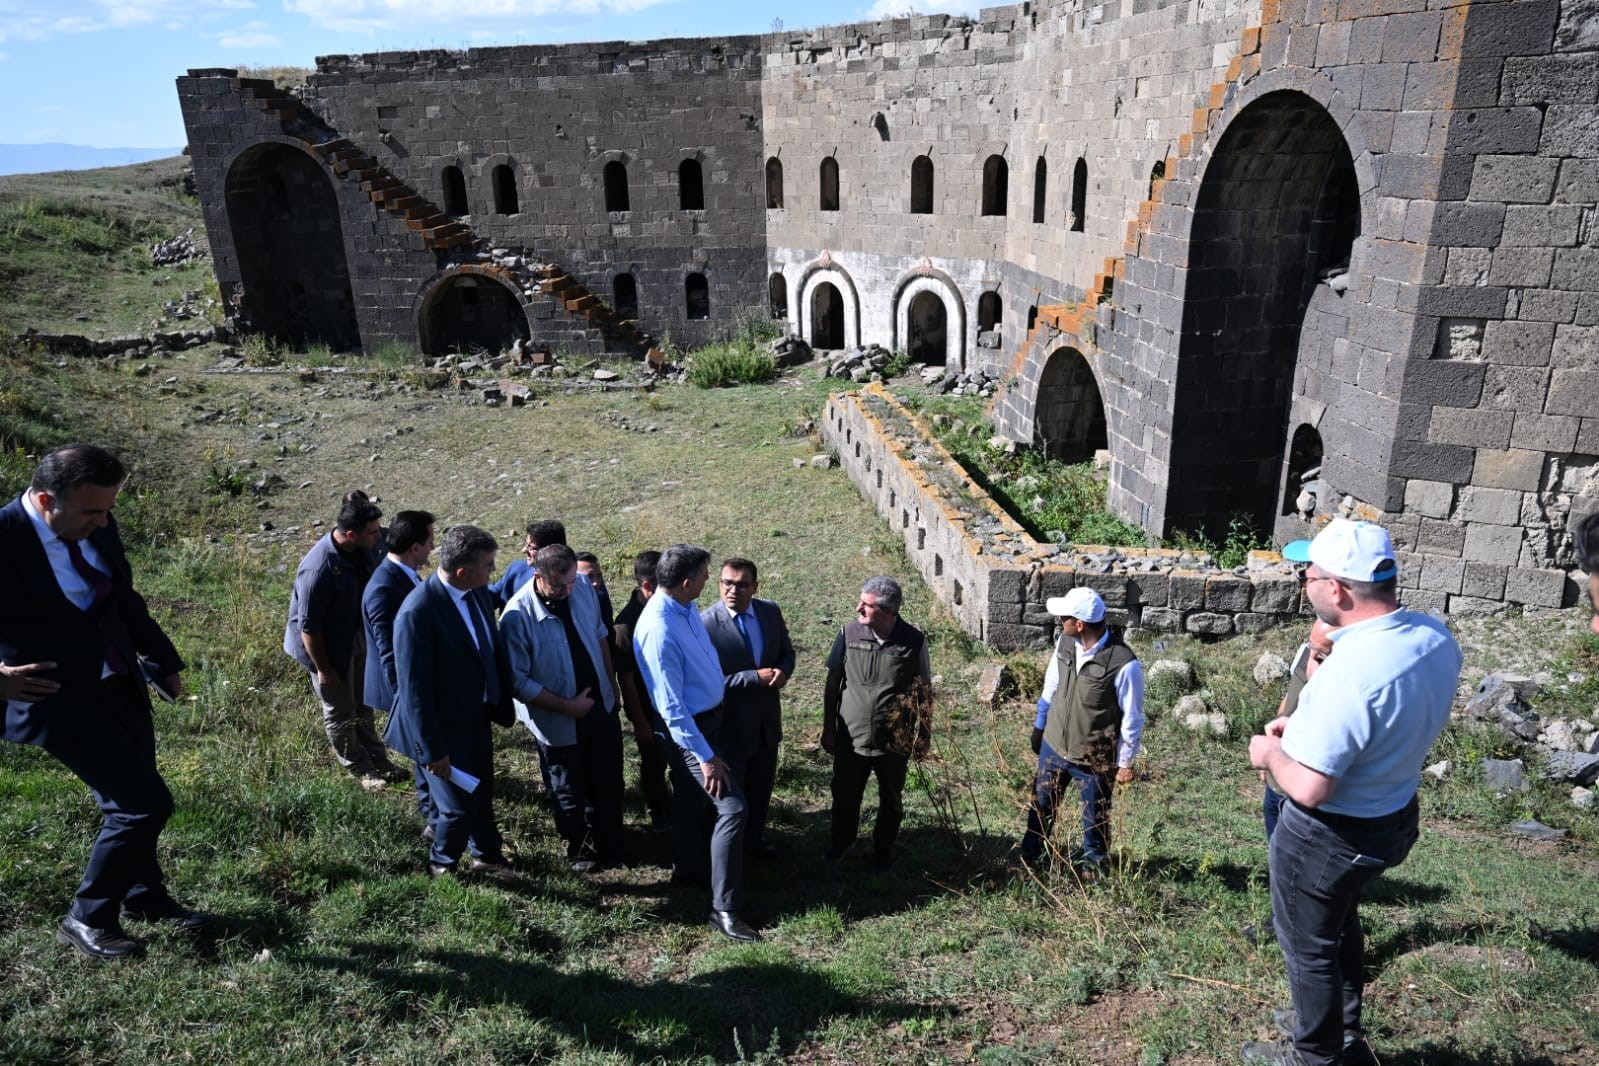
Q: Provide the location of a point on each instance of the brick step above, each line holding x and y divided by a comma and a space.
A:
557, 285
582, 303
407, 202
380, 183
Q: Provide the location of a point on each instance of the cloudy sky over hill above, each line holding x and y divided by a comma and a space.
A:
100, 72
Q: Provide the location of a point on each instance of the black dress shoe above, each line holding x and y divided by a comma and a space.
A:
733, 927
97, 943
428, 833
498, 869
170, 912
437, 870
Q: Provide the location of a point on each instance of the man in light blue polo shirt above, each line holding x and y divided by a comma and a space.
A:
1349, 762
683, 676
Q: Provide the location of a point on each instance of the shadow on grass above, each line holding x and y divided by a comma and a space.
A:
1389, 890
723, 1013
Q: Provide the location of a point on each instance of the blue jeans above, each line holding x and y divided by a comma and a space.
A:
1320, 865
1094, 788
1270, 809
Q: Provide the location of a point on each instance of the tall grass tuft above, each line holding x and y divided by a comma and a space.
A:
733, 363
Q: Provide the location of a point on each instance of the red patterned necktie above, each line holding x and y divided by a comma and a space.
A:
100, 584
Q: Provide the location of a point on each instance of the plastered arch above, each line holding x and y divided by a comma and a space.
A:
940, 285
817, 274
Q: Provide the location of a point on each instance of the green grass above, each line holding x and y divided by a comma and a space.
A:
735, 362
333, 946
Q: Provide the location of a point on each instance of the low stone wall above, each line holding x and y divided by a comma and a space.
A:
995, 578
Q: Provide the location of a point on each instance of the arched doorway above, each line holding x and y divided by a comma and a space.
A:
777, 293
925, 339
466, 313
1302, 485
1070, 422
827, 317
289, 242
1278, 202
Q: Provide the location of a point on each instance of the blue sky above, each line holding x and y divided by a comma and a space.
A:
100, 72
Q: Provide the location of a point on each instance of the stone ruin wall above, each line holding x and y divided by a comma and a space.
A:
1448, 380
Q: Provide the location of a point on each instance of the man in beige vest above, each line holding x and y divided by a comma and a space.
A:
1090, 719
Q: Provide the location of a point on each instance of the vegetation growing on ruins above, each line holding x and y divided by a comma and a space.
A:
336, 947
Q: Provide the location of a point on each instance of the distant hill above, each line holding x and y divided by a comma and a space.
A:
43, 158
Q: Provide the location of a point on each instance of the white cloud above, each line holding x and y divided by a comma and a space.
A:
36, 20
234, 5
892, 9
369, 16
254, 34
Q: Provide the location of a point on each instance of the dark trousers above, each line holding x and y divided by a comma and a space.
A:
850, 772
586, 787
1320, 865
1269, 809
111, 748
463, 819
689, 800
1095, 789
652, 775
758, 775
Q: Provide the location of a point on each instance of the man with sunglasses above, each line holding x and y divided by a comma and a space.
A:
1349, 763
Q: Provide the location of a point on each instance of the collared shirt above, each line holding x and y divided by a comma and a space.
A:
328, 585
416, 579
680, 668
752, 629
468, 611
1129, 682
1373, 710
519, 573
73, 585
542, 655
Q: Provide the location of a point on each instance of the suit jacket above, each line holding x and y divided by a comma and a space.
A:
752, 715
439, 709
39, 624
385, 592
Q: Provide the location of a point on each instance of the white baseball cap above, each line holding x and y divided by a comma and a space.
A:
1085, 605
1354, 551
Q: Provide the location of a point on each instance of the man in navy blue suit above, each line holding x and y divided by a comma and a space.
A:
452, 684
751, 640
410, 542
70, 640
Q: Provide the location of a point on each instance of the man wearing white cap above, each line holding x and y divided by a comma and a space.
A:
1090, 719
1349, 762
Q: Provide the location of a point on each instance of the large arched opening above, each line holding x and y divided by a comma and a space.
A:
927, 326
827, 317
470, 312
1070, 423
290, 248
1279, 202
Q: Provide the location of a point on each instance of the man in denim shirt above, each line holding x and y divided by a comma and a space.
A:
559, 653
1349, 763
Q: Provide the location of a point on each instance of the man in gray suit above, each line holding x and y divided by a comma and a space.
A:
751, 640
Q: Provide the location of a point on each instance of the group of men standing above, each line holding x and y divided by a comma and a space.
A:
449, 656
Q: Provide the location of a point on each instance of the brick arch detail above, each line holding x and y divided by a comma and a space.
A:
434, 285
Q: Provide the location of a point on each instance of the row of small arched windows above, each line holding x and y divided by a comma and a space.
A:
502, 183
996, 182
696, 296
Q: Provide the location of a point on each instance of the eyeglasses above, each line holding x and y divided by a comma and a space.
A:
726, 584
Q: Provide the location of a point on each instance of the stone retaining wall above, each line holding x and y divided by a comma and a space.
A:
995, 578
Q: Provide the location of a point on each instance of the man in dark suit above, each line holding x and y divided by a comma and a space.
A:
452, 685
751, 640
410, 542
70, 639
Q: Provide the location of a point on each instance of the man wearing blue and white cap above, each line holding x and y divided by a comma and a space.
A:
1349, 762
1090, 719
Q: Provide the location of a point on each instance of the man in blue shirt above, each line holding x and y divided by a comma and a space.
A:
1349, 763
683, 677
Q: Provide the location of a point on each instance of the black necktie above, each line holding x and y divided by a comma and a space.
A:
100, 585
485, 652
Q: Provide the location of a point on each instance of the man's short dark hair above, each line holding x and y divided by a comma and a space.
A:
588, 557
356, 515
1588, 544
742, 566
72, 465
546, 531
554, 559
644, 564
679, 563
461, 545
409, 529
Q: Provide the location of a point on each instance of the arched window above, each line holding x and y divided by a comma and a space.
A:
1302, 487
1156, 174
1079, 212
1032, 317
624, 296
690, 186
989, 312
615, 187
774, 184
921, 186
829, 184
996, 176
504, 181
697, 296
1040, 185
454, 192
777, 291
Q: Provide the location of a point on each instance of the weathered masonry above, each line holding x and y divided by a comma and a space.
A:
1280, 258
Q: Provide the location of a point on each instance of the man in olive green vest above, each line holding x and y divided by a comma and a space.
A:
876, 715
1090, 719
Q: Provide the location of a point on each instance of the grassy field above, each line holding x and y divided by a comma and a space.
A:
332, 945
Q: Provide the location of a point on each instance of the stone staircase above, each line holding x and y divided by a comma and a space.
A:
452, 240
